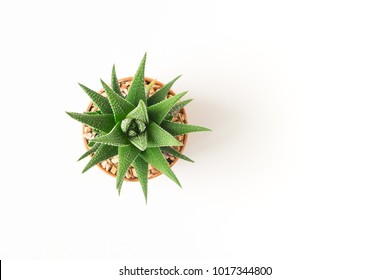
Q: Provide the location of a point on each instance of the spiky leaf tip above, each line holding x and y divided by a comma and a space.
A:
179, 106
137, 88
102, 153
99, 100
155, 157
180, 128
175, 153
115, 83
101, 122
119, 105
141, 167
126, 156
157, 112
90, 151
161, 94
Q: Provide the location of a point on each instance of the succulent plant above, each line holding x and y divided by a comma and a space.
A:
137, 127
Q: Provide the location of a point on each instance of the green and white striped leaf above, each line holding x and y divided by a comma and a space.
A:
161, 93
141, 167
158, 137
90, 151
179, 106
115, 137
137, 87
102, 122
157, 112
181, 128
140, 141
176, 109
119, 105
155, 157
175, 153
114, 82
102, 153
99, 100
127, 155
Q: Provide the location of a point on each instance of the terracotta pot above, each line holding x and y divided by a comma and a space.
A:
156, 173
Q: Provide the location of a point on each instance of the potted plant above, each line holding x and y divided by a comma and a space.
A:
135, 129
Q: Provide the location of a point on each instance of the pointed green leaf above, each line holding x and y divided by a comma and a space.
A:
102, 122
90, 151
175, 153
158, 137
127, 155
157, 160
99, 100
140, 141
115, 137
137, 88
161, 93
139, 113
157, 112
119, 105
179, 106
181, 128
102, 153
141, 167
114, 82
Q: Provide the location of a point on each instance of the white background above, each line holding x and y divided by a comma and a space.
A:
295, 174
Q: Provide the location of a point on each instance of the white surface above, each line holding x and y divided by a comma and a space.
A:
295, 174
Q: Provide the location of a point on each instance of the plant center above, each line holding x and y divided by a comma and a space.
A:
133, 127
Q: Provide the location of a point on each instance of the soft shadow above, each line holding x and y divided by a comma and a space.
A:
217, 117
